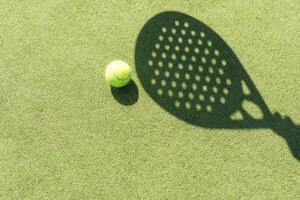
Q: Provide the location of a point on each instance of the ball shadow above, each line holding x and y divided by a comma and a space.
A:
127, 95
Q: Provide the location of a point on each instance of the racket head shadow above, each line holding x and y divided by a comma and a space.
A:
190, 71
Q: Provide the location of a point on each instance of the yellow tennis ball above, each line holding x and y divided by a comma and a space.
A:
118, 73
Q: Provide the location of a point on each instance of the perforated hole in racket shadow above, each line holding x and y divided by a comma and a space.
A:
197, 77
127, 95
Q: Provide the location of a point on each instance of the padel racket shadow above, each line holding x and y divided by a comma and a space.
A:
190, 71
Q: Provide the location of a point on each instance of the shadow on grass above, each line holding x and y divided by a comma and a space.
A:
127, 95
190, 71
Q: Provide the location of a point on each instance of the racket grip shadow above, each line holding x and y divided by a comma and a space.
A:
287, 129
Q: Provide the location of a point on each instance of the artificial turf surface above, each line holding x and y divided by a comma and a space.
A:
63, 134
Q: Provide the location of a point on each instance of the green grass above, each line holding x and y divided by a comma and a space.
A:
64, 136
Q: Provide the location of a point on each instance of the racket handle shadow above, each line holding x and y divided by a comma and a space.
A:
287, 129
